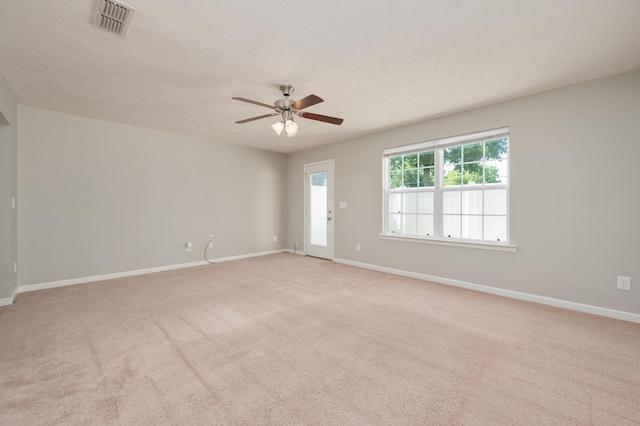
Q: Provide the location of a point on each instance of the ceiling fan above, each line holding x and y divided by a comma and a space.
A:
288, 109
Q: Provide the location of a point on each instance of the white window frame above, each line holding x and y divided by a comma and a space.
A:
438, 146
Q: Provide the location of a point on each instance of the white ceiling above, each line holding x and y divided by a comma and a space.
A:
377, 64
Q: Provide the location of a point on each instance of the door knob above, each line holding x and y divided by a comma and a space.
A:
328, 218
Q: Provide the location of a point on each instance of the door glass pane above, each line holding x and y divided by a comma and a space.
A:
318, 213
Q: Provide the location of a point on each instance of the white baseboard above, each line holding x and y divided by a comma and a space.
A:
298, 252
84, 280
605, 312
9, 300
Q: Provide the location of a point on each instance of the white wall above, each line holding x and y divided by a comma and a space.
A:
8, 182
575, 196
98, 197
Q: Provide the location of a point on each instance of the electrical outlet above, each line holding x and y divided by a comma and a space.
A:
275, 238
188, 246
210, 240
358, 247
624, 283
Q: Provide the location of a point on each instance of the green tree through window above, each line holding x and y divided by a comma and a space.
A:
412, 170
469, 163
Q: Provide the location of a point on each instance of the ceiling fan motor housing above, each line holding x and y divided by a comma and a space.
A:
286, 89
282, 104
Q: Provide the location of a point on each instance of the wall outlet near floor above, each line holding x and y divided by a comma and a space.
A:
210, 240
624, 283
188, 246
275, 238
358, 247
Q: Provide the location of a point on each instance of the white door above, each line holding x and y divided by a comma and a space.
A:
318, 209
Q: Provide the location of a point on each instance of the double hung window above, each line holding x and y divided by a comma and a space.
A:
455, 188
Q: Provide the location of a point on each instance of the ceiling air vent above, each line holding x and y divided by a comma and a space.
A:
113, 16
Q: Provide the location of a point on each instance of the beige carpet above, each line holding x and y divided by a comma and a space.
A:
285, 339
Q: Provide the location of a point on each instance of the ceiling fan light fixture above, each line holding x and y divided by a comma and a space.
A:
278, 127
291, 128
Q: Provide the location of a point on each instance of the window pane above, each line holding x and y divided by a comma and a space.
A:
395, 180
495, 201
410, 203
394, 205
394, 223
410, 178
496, 149
495, 228
425, 202
472, 174
451, 226
425, 224
395, 163
452, 155
473, 152
471, 202
472, 227
452, 176
470, 198
495, 172
426, 177
410, 224
426, 159
451, 202
411, 161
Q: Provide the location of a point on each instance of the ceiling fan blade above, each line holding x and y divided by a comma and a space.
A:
256, 118
306, 102
324, 118
254, 102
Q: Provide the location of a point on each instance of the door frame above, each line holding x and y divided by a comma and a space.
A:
330, 206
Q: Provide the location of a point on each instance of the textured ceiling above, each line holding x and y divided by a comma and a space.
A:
377, 64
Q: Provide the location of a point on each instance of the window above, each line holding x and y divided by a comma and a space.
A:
455, 188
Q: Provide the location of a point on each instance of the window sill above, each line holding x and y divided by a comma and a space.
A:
484, 245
